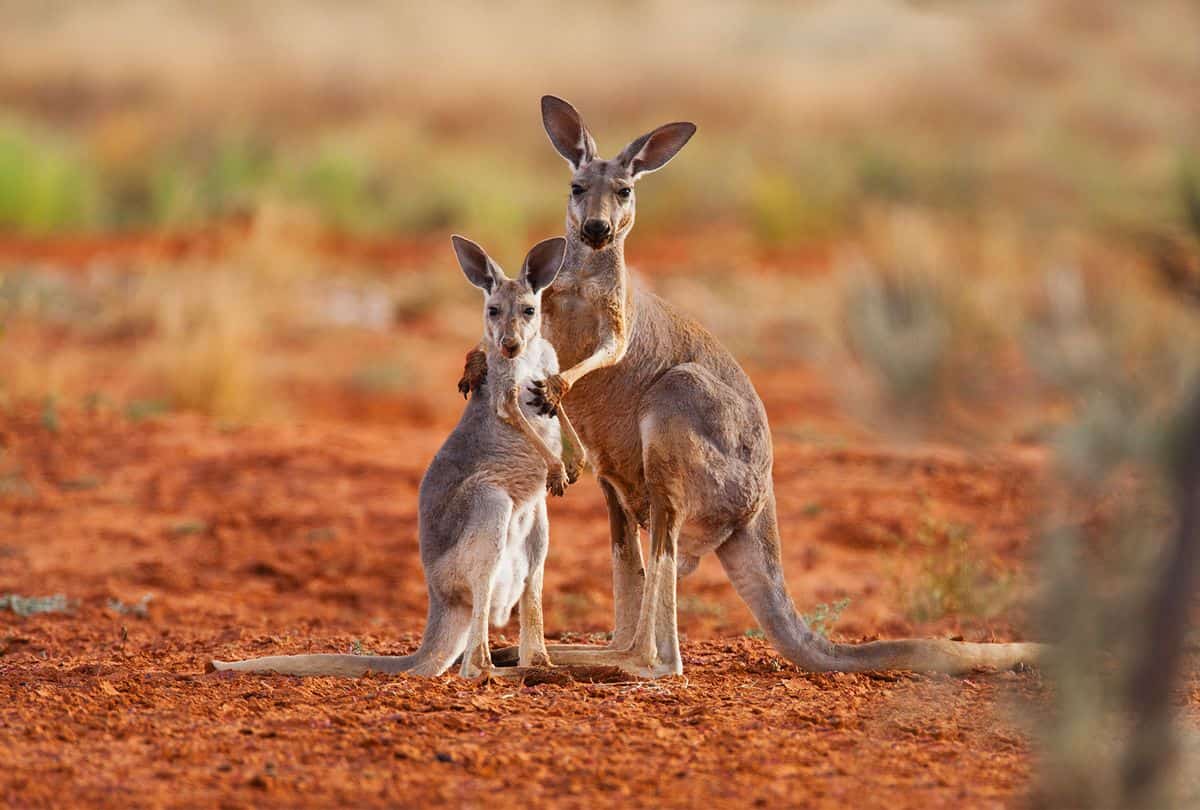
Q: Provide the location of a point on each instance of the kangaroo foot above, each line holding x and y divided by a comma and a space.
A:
509, 656
632, 663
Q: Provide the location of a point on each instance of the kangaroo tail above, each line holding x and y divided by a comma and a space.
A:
751, 558
321, 664
444, 640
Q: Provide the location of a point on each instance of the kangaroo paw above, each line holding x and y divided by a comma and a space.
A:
548, 394
474, 373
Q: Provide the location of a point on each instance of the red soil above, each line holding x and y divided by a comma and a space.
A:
302, 537
283, 539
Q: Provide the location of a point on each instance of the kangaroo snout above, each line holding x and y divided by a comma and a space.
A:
511, 346
596, 232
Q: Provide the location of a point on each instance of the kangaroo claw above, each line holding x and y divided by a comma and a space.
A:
556, 481
474, 373
574, 470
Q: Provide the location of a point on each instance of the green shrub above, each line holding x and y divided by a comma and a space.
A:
46, 186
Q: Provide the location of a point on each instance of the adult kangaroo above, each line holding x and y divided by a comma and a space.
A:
677, 435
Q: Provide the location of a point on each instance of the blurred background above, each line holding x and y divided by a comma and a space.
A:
297, 156
961, 227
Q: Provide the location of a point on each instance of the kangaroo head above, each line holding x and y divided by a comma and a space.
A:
601, 205
512, 308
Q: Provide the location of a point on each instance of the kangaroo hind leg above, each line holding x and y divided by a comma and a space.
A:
476, 559
532, 644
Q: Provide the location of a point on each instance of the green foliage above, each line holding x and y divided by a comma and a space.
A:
824, 616
1189, 191
424, 187
190, 183
953, 578
46, 185
807, 197
343, 189
413, 179
775, 204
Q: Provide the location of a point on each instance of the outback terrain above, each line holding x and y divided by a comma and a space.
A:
955, 245
176, 538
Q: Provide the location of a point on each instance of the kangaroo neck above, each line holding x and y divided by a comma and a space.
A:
581, 263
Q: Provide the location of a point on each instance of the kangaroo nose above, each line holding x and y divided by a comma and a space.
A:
596, 230
510, 343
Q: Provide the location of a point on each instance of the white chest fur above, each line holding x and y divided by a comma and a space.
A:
505, 376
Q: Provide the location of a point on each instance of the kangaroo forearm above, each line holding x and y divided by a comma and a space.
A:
512, 414
613, 340
609, 354
569, 433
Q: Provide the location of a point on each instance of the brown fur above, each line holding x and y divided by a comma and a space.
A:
679, 439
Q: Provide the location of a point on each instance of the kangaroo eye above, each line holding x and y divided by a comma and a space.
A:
577, 189
529, 312
624, 192
493, 311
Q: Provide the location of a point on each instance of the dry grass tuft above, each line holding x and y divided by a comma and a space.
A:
208, 336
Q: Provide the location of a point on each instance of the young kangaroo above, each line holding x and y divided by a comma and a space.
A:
677, 435
482, 520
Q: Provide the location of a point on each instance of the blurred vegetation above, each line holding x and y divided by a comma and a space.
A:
1061, 113
414, 182
987, 218
953, 577
822, 618
1111, 363
31, 605
47, 185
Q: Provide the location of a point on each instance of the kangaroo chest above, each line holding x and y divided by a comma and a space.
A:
571, 321
603, 404
536, 363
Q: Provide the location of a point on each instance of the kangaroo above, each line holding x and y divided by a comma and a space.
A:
677, 435
482, 503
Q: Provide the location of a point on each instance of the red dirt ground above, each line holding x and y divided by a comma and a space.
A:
302, 537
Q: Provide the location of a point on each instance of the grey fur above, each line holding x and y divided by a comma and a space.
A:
483, 528
679, 439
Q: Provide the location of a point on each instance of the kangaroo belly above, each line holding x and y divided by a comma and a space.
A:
515, 565
674, 369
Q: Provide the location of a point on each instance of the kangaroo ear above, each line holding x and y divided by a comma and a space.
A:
651, 152
478, 267
543, 263
567, 132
